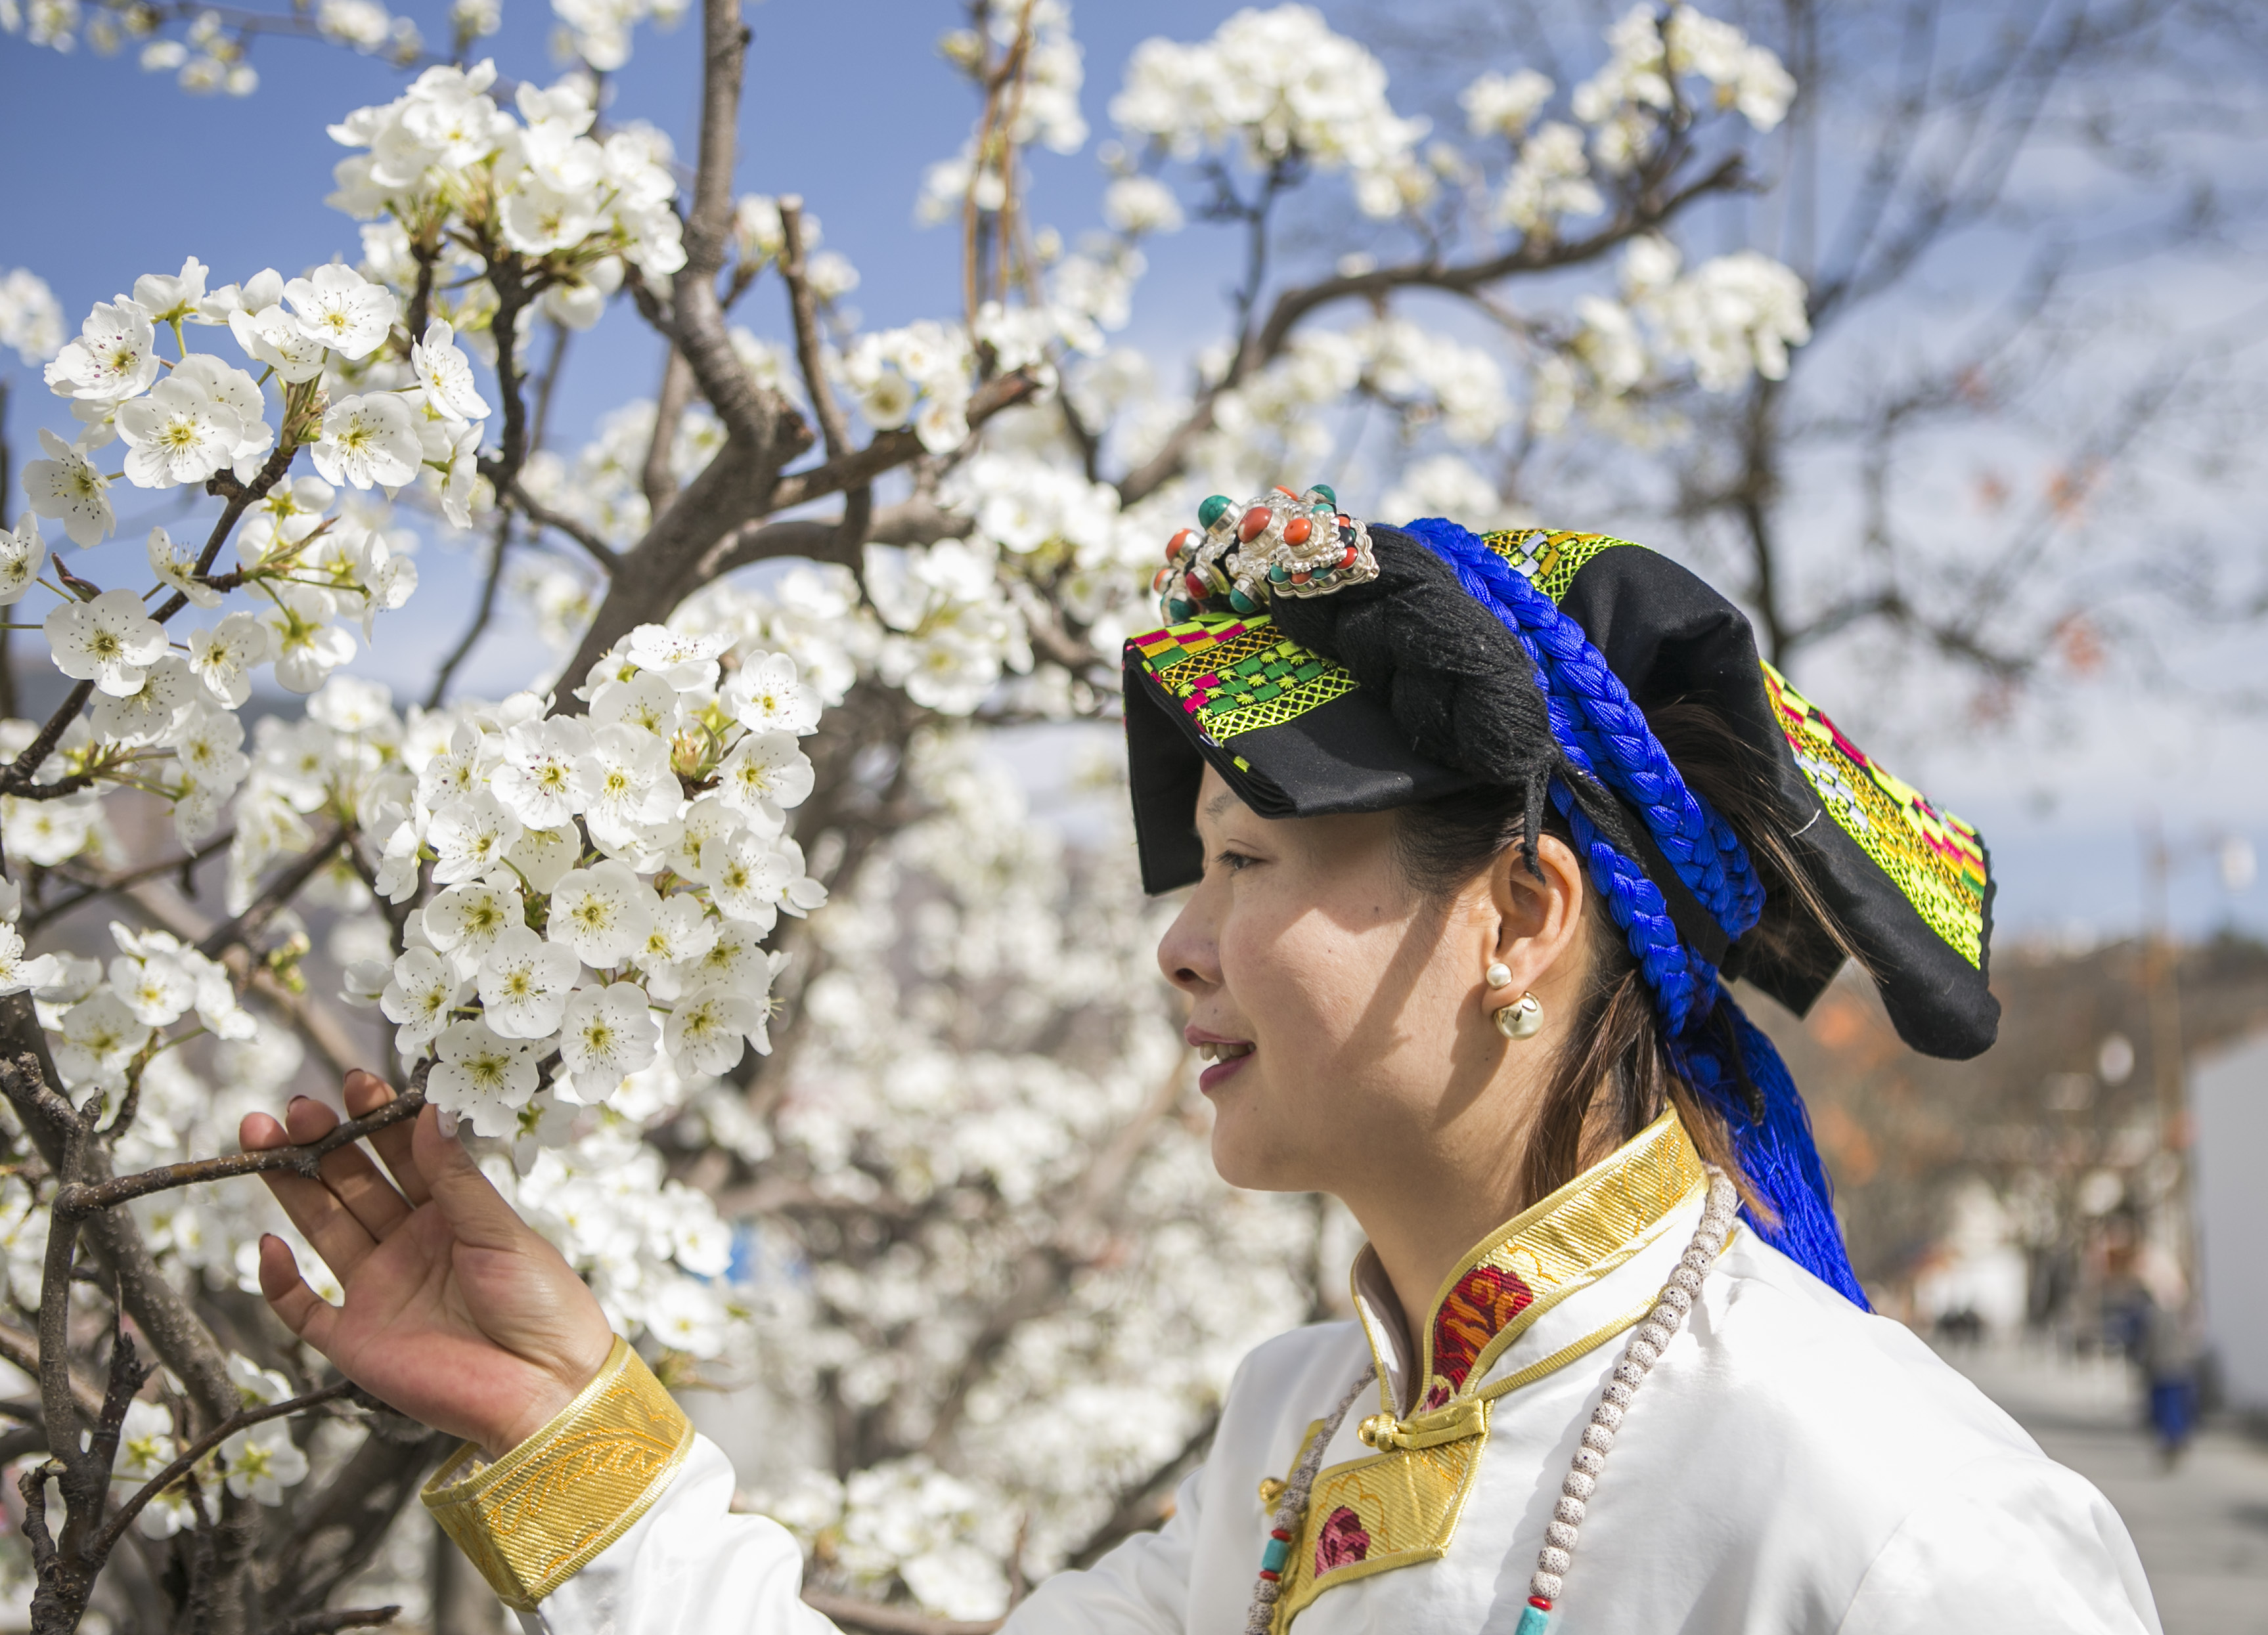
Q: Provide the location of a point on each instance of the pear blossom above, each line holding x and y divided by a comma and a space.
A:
725, 953
108, 641
232, 389
66, 486
18, 973
178, 434
369, 441
708, 825
173, 299
765, 773
764, 696
156, 989
538, 779
308, 646
272, 336
22, 555
152, 710
225, 656
470, 836
750, 875
336, 306
624, 779
446, 374
465, 921
261, 1462
602, 912
421, 992
115, 357
482, 1075
100, 1036
681, 932
544, 857
707, 1030
523, 982
177, 567
643, 700
606, 1034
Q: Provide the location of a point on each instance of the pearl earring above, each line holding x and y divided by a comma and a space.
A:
1522, 1019
1498, 974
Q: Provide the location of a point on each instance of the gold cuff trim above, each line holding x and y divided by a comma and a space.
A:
544, 1512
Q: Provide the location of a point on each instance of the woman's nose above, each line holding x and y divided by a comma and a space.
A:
1188, 953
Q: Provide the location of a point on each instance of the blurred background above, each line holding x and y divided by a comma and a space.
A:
1954, 377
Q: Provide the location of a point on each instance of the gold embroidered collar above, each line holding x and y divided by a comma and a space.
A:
1503, 1284
1399, 1506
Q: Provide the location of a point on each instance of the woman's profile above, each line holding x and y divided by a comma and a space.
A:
1475, 833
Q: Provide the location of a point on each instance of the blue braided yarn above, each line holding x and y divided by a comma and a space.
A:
1680, 979
1610, 728
1777, 1152
1602, 733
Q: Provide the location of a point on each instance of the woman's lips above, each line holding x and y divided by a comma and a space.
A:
1213, 1077
1227, 1055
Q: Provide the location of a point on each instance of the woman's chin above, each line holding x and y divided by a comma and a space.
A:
1248, 1152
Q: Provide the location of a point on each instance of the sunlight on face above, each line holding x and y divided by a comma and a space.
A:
1346, 1004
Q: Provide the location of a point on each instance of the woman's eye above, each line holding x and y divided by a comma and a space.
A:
1235, 862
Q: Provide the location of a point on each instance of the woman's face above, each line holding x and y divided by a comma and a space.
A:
1350, 1011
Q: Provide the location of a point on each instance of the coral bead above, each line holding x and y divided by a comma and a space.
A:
1255, 524
1174, 545
1215, 507
1348, 560
1196, 587
1296, 531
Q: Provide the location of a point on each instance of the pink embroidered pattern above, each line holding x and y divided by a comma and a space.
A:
1342, 1542
1484, 1300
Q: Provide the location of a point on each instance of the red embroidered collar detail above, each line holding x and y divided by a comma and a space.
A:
1474, 1313
1562, 1243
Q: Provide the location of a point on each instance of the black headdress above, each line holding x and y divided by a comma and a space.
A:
1432, 660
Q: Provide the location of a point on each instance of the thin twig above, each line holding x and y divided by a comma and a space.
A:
76, 1200
123, 1517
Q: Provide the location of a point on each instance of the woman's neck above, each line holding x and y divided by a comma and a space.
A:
1421, 1224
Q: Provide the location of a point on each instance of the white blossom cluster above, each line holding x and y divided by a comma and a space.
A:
1273, 86
256, 1463
603, 886
443, 155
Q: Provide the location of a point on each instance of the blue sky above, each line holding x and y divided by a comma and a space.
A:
113, 172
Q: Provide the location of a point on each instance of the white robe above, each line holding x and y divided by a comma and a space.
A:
1791, 1464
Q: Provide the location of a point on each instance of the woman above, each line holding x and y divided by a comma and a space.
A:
1475, 828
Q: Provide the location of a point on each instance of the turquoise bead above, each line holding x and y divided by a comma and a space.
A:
1178, 611
1533, 1621
1331, 499
1242, 603
1278, 1551
1278, 573
1215, 507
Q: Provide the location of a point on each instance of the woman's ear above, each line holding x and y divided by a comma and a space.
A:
1538, 920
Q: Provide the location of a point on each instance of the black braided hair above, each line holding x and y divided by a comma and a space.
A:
1455, 678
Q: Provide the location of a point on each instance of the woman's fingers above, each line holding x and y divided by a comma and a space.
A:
306, 1313
347, 1170
365, 1093
338, 1237
475, 1210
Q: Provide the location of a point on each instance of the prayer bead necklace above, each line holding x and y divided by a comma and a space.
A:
1642, 1351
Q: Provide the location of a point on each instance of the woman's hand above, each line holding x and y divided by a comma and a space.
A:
456, 1312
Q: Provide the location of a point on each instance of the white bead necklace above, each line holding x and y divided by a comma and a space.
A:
1645, 1349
